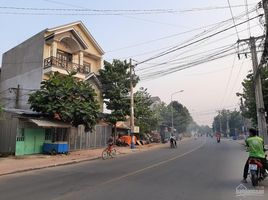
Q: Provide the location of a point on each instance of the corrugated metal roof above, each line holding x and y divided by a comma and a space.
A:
48, 123
21, 111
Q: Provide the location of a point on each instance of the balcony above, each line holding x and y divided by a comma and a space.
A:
52, 62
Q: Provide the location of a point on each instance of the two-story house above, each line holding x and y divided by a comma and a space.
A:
64, 48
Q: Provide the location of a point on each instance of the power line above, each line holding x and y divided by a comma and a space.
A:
236, 79
233, 19
165, 72
186, 57
228, 82
246, 5
126, 11
162, 38
192, 55
214, 27
194, 42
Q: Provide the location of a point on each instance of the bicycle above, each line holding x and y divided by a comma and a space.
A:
109, 152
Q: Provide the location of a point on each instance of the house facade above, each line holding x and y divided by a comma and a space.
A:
24, 132
65, 48
62, 49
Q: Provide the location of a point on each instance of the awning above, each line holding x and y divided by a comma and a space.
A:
50, 124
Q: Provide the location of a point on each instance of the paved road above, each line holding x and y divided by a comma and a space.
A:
199, 169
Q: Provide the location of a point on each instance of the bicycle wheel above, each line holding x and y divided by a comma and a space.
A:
113, 153
104, 154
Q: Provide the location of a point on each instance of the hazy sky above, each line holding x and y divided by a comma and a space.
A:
139, 33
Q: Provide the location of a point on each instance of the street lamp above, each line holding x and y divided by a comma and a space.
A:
172, 108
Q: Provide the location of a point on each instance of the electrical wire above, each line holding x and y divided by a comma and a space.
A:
194, 42
231, 11
178, 57
228, 82
165, 71
135, 11
183, 58
246, 6
214, 27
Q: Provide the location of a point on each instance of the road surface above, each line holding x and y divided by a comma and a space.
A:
198, 169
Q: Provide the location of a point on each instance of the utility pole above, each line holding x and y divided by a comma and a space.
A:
132, 146
220, 121
227, 125
262, 127
265, 8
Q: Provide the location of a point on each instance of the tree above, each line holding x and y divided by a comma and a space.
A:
67, 99
249, 106
204, 129
226, 118
146, 119
115, 78
161, 115
181, 116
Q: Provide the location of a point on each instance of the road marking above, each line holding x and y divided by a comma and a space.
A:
63, 197
152, 166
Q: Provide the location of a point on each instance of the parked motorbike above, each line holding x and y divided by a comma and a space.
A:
255, 171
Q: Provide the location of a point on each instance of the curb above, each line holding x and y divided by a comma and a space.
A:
71, 162
81, 160
50, 166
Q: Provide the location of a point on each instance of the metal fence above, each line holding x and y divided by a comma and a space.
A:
80, 139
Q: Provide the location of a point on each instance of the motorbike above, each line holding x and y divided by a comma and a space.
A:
256, 170
218, 139
172, 143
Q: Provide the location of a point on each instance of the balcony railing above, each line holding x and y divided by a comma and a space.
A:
69, 66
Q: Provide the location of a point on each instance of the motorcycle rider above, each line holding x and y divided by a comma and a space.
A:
172, 140
218, 136
255, 146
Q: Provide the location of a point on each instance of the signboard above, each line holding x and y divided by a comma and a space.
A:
136, 129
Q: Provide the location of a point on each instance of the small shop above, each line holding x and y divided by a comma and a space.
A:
25, 132
42, 136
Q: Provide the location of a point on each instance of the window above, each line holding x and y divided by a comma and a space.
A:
63, 58
48, 134
87, 67
20, 135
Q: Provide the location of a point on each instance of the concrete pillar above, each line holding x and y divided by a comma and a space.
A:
81, 58
54, 47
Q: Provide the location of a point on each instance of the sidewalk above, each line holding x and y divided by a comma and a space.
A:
14, 164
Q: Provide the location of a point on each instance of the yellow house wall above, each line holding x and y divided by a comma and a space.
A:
95, 64
91, 48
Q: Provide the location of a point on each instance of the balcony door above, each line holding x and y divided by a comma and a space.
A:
63, 58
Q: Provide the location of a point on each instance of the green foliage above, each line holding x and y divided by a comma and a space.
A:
146, 119
66, 99
160, 112
249, 106
233, 118
115, 78
204, 129
181, 116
